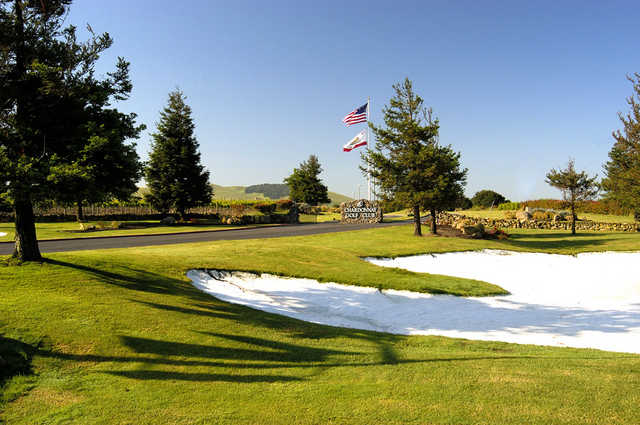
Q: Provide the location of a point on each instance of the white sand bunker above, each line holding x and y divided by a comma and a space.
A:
588, 301
2, 234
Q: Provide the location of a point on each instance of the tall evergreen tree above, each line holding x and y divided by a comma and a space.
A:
409, 164
622, 181
305, 184
47, 95
575, 186
176, 178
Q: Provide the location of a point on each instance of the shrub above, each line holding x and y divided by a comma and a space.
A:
266, 208
543, 215
284, 204
487, 198
603, 206
304, 208
237, 210
496, 233
509, 206
464, 203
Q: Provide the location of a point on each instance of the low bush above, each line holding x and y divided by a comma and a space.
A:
284, 204
603, 206
304, 208
542, 215
487, 198
509, 206
266, 208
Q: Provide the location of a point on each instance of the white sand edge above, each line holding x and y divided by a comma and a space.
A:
584, 301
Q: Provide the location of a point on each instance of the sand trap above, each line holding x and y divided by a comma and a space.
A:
2, 234
588, 301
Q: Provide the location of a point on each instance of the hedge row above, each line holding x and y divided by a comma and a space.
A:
592, 207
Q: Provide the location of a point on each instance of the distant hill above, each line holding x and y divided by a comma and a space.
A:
270, 190
264, 191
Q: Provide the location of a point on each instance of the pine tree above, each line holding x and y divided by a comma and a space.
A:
575, 187
305, 185
622, 181
176, 178
408, 163
49, 102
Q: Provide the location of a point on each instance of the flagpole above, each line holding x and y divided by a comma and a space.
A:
368, 141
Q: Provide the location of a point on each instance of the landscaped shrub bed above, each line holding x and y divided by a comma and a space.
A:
592, 207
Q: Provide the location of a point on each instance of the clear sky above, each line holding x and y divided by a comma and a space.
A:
518, 86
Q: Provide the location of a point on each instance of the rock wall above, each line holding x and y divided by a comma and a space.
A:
361, 211
457, 221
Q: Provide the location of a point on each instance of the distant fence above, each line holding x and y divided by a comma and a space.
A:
96, 210
240, 213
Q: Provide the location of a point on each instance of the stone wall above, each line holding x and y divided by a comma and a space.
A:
361, 211
457, 220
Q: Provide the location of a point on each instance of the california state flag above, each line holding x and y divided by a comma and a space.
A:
356, 142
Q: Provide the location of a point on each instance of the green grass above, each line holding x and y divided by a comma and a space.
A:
238, 193
601, 218
120, 336
68, 230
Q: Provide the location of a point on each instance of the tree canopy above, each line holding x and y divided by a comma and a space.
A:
409, 164
175, 176
622, 171
305, 184
487, 198
575, 186
53, 110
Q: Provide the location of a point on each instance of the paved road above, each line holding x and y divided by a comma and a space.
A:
6, 248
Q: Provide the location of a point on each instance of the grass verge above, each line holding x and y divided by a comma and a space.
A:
68, 230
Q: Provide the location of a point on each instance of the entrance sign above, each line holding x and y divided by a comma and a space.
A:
361, 211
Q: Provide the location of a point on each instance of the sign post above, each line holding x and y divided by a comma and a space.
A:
361, 211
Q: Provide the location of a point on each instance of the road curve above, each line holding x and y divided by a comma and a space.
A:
6, 248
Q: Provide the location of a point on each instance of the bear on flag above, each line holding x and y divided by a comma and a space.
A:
356, 142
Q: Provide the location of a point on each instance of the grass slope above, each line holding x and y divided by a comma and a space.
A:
238, 193
120, 336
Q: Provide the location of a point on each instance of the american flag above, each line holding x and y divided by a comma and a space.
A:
357, 115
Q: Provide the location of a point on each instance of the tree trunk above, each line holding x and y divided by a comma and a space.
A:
26, 242
79, 213
417, 229
573, 219
434, 228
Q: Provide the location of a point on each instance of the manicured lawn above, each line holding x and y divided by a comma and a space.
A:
120, 336
319, 218
601, 218
69, 230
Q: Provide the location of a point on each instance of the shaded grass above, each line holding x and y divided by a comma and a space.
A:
126, 339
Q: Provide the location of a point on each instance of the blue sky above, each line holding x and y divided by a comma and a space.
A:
519, 87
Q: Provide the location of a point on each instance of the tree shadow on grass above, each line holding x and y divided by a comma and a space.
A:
15, 358
138, 280
258, 353
544, 241
200, 377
